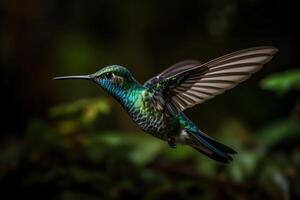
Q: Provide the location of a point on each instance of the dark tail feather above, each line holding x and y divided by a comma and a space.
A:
210, 147
221, 146
215, 156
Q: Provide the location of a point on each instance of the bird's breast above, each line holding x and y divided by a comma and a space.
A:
148, 116
151, 121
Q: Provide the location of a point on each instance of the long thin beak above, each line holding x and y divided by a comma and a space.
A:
86, 77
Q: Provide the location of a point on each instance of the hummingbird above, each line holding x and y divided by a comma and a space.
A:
157, 105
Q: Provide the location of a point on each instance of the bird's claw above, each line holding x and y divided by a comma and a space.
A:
172, 142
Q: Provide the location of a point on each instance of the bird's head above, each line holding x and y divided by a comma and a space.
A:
115, 79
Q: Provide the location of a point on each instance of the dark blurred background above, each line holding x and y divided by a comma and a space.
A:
69, 140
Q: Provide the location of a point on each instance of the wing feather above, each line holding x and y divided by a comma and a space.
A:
188, 83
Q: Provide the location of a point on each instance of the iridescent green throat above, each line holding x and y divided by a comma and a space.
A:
128, 92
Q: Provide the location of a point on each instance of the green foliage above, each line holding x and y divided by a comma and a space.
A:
88, 109
283, 82
279, 131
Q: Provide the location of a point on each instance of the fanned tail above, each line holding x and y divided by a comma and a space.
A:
211, 148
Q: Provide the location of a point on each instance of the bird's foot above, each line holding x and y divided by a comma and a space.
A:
172, 142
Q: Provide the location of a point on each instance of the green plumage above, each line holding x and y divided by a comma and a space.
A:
157, 106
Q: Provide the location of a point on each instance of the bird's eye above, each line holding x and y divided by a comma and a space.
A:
108, 75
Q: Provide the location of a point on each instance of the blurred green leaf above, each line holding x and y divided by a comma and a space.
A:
88, 109
180, 153
146, 151
98, 104
234, 133
143, 148
207, 167
112, 138
282, 82
68, 126
278, 131
244, 165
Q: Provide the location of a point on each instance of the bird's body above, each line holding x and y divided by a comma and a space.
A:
156, 106
138, 102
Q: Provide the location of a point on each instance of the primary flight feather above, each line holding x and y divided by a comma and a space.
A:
157, 106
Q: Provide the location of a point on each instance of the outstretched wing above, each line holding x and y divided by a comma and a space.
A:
188, 83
